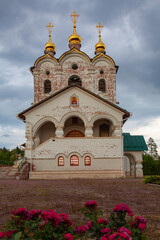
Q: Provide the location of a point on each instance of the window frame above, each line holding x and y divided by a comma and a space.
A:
85, 161
73, 164
47, 85
102, 85
62, 159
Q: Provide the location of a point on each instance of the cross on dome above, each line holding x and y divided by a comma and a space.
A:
49, 26
99, 27
50, 47
74, 39
74, 16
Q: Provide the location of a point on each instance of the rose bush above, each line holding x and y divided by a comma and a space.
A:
49, 225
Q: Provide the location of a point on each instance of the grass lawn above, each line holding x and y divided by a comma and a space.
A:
69, 195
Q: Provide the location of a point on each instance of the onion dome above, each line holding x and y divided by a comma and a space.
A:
74, 39
100, 47
50, 47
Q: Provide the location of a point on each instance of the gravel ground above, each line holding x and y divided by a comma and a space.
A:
69, 195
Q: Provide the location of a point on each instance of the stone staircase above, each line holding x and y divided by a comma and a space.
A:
75, 174
10, 172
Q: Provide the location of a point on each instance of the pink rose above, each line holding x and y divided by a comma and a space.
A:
105, 230
2, 234
68, 236
142, 226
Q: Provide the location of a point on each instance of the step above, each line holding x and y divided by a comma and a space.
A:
70, 174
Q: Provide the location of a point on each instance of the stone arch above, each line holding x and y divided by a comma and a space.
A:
103, 58
72, 114
43, 60
104, 116
41, 122
74, 127
132, 164
72, 54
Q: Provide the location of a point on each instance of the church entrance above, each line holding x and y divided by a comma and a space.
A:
129, 165
75, 133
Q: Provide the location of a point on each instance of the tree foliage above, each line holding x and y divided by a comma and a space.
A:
150, 166
8, 157
152, 148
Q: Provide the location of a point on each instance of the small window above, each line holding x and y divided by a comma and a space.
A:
61, 161
74, 101
87, 161
74, 161
47, 72
101, 71
102, 85
74, 66
47, 86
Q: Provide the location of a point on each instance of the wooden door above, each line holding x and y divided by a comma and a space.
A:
75, 133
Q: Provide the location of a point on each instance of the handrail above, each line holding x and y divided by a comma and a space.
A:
21, 164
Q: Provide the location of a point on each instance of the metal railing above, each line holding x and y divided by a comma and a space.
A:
21, 164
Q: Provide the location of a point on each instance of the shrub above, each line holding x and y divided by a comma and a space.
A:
48, 225
152, 179
150, 166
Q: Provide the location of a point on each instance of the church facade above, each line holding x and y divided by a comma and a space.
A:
74, 126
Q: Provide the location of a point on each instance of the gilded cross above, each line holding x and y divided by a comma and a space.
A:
99, 26
49, 26
74, 16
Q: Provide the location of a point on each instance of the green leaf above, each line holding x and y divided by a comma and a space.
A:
18, 236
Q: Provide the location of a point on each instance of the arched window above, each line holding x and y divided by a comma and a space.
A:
74, 160
102, 85
87, 161
61, 161
74, 80
47, 86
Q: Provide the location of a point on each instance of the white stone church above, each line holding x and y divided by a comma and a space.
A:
74, 126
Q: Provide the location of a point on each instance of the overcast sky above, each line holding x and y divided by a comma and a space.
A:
132, 36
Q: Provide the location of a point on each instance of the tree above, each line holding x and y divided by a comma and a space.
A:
152, 148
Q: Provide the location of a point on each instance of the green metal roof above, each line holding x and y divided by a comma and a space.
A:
134, 143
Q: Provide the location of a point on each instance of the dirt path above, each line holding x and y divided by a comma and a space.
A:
69, 195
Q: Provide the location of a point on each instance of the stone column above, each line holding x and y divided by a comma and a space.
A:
139, 170
59, 131
116, 130
132, 169
29, 142
88, 131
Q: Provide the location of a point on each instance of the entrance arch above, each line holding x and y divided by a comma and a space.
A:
44, 132
74, 127
129, 165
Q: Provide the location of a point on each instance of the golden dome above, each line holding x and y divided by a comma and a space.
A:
100, 47
50, 46
74, 39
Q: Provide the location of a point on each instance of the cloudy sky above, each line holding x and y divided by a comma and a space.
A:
132, 36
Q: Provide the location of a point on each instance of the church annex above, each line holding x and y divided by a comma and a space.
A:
74, 127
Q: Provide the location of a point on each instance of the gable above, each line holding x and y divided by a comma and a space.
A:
88, 103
